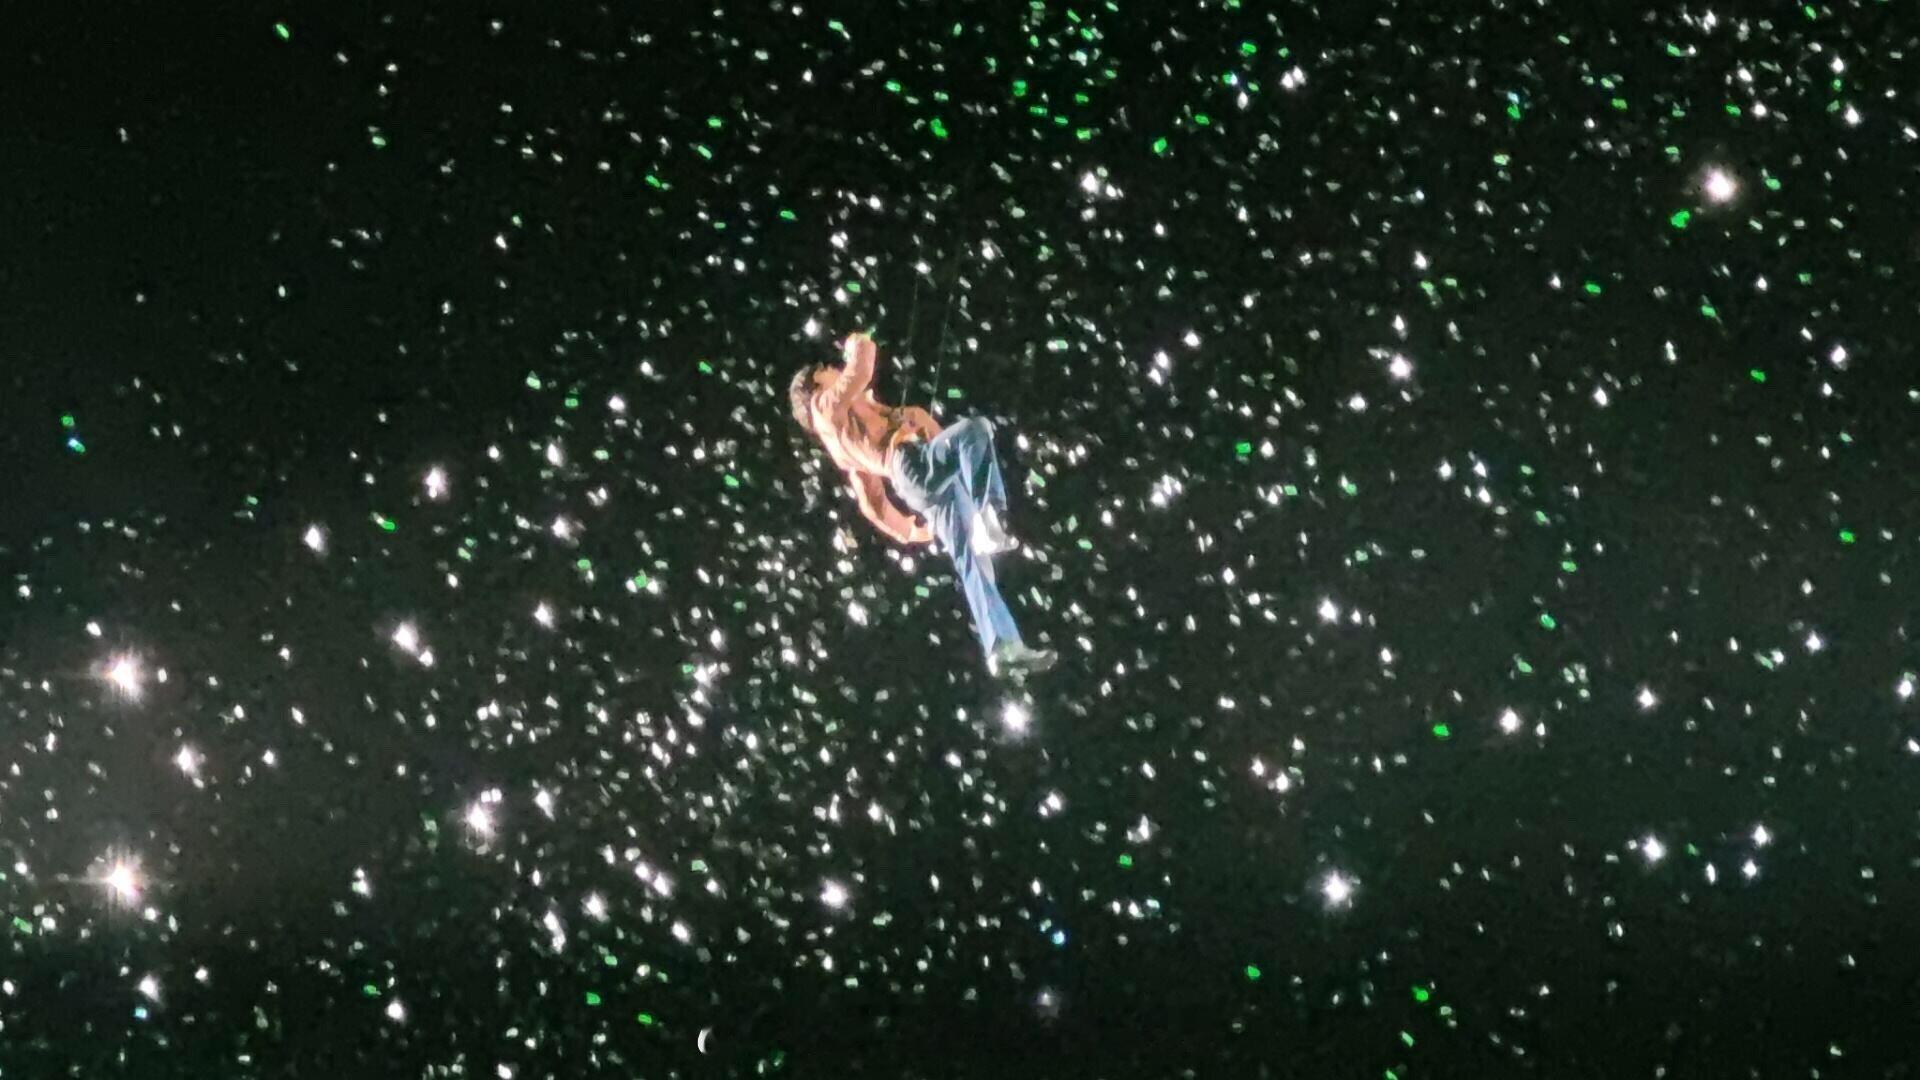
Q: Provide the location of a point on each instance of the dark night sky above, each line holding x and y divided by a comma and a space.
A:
1465, 455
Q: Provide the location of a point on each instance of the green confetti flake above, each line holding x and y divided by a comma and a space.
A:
1125, 861
1407, 1038
74, 444
1513, 111
281, 31
939, 128
788, 215
1733, 109
1019, 88
1421, 994
706, 368
656, 182
1569, 565
592, 998
1846, 536
1757, 375
1593, 288
1501, 160
22, 925
1709, 311
1546, 620
731, 480
1160, 145
1248, 48
379, 141
1523, 667
716, 123
386, 523
533, 381
370, 990
1203, 119
67, 421
1243, 449
1442, 731
1253, 973
1680, 218
646, 1019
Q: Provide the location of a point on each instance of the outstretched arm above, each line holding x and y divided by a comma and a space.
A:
871, 493
854, 378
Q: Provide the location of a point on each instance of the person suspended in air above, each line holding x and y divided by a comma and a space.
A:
950, 477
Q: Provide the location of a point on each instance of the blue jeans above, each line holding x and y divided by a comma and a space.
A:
948, 481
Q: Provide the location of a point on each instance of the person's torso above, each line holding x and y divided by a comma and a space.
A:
863, 440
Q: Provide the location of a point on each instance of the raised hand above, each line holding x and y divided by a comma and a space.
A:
860, 349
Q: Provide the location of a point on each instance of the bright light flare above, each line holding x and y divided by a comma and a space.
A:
124, 673
1719, 186
834, 895
122, 880
480, 819
1337, 888
436, 483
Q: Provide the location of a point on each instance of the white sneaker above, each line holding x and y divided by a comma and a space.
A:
1016, 660
989, 537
